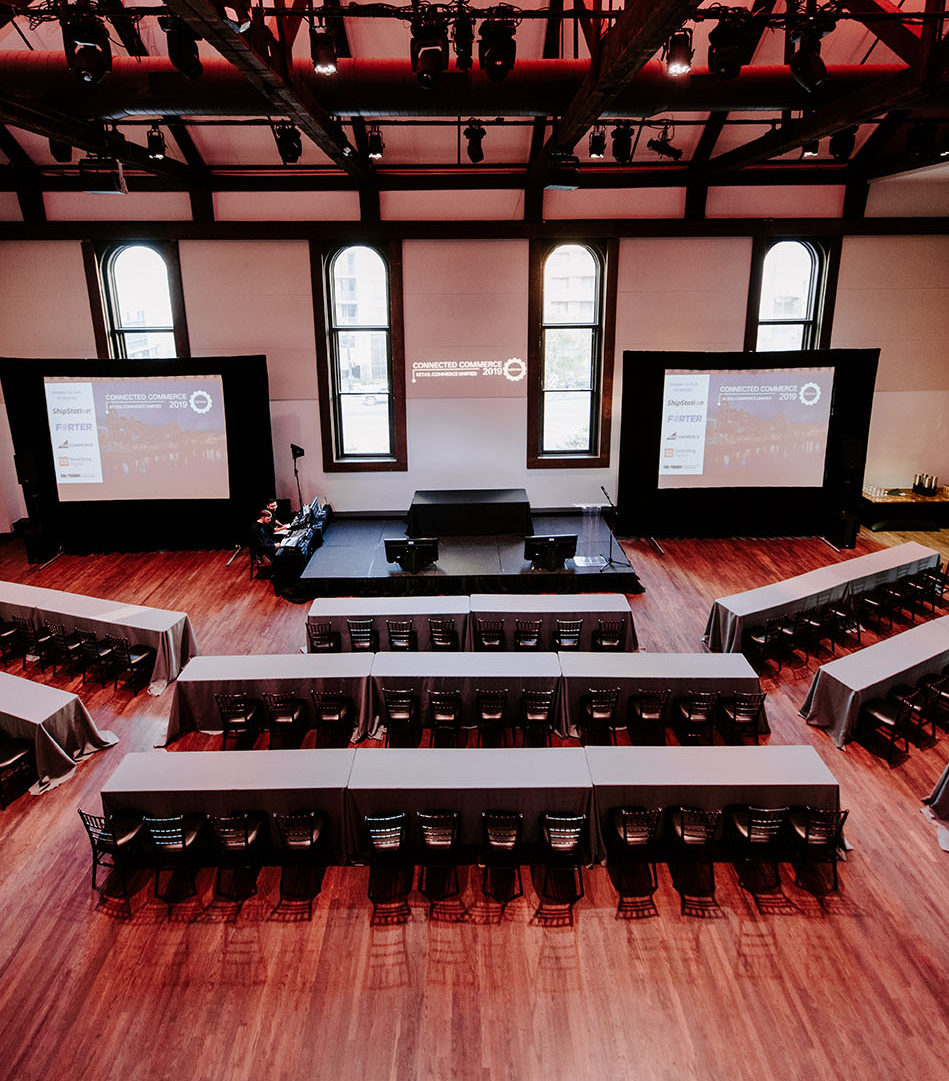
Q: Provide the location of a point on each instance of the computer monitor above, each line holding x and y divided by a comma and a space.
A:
549, 553
411, 553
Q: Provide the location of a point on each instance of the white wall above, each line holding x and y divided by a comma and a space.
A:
250, 297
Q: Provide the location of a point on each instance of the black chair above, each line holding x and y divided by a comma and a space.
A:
920, 701
845, 622
646, 717
634, 843
63, 648
261, 558
403, 728
811, 627
891, 720
597, 716
238, 842
363, 636
741, 716
391, 869
300, 841
921, 591
174, 841
500, 858
402, 637
567, 634
113, 842
610, 634
32, 642
755, 835
241, 716
286, 718
816, 836
9, 641
444, 718
527, 634
17, 760
135, 662
442, 634
438, 863
537, 711
768, 643
691, 837
563, 849
936, 687
95, 656
333, 712
694, 717
321, 638
492, 720
489, 634
875, 608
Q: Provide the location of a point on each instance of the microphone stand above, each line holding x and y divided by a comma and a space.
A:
611, 562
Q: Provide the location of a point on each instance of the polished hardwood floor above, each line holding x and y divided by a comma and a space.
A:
848, 986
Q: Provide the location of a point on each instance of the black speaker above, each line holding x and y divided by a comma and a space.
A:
41, 545
26, 468
845, 530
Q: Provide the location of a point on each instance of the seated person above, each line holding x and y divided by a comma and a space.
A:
262, 534
278, 527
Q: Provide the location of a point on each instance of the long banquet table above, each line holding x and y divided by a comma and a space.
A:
708, 777
840, 687
55, 722
464, 672
336, 610
548, 608
677, 673
169, 633
731, 615
222, 782
526, 779
194, 705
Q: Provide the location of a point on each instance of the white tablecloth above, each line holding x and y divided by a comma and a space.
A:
730, 616
548, 609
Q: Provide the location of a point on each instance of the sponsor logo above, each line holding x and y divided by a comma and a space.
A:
809, 394
514, 369
200, 401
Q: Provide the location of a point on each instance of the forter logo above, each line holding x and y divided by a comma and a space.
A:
809, 394
200, 401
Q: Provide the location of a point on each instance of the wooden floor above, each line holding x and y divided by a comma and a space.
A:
796, 988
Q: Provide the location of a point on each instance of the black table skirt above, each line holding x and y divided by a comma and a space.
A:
472, 512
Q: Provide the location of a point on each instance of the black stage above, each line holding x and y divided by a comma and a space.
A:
352, 563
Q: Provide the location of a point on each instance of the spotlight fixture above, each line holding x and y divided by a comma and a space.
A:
841, 143
62, 152
921, 140
182, 45
497, 47
474, 133
429, 49
597, 143
810, 149
155, 143
563, 173
678, 52
236, 13
462, 34
102, 174
288, 140
806, 64
87, 48
375, 142
663, 147
322, 50
726, 44
622, 137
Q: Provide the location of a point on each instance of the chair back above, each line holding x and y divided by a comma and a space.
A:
99, 829
567, 634
361, 634
401, 634
502, 829
439, 829
234, 706
650, 705
563, 833
321, 638
489, 633
603, 702
442, 633
444, 706
491, 702
299, 829
401, 704
527, 633
824, 827
748, 705
166, 833
233, 831
609, 633
698, 826
699, 705
537, 705
120, 648
330, 706
386, 832
636, 826
765, 824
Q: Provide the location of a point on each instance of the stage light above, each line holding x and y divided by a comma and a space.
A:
182, 46
322, 51
462, 35
811, 148
62, 152
375, 142
622, 137
497, 47
236, 13
156, 143
841, 143
726, 44
806, 64
563, 173
429, 49
663, 147
474, 133
102, 174
87, 48
921, 140
678, 53
597, 143
288, 140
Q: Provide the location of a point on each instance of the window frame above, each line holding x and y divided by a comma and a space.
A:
819, 327
334, 460
606, 255
97, 259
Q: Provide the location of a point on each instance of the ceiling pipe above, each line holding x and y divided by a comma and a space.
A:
150, 86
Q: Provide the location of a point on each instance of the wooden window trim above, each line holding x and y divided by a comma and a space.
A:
609, 255
320, 257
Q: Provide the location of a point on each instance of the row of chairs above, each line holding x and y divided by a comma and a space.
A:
908, 714
284, 717
77, 651
490, 634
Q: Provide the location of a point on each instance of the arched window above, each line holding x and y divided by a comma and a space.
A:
789, 305
360, 354
571, 352
138, 303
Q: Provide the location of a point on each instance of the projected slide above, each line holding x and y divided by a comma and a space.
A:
735, 429
138, 437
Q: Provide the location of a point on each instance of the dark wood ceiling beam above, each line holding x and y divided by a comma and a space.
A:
533, 191
29, 196
267, 67
590, 31
898, 37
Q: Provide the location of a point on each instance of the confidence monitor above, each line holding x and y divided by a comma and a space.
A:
412, 554
550, 553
